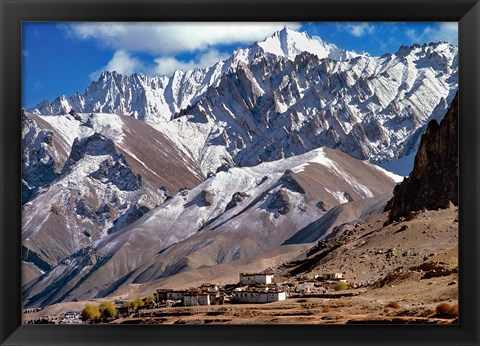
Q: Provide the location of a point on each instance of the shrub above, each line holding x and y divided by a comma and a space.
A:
443, 309
107, 310
149, 301
90, 313
446, 310
136, 304
454, 310
341, 286
393, 305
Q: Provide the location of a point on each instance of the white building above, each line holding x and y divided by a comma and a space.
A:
329, 276
257, 278
168, 294
255, 297
196, 299
72, 314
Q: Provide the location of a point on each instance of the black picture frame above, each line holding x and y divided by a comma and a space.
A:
13, 12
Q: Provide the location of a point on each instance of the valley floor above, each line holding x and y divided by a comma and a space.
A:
359, 309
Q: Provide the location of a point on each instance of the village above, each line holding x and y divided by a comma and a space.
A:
252, 288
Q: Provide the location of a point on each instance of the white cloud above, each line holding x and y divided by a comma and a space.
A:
442, 32
445, 31
357, 29
171, 38
121, 62
411, 34
167, 65
124, 63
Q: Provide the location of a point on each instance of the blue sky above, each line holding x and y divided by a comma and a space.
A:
64, 58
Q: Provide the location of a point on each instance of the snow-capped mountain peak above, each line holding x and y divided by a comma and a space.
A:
236, 111
289, 43
158, 98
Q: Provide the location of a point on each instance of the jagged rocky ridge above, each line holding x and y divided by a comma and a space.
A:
277, 99
156, 98
433, 182
272, 108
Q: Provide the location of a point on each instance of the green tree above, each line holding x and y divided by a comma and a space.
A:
341, 286
107, 310
149, 301
136, 304
90, 313
125, 305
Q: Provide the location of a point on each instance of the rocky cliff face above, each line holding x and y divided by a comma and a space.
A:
433, 182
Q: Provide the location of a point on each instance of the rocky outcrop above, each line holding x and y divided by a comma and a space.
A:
280, 202
118, 173
95, 144
289, 182
41, 159
433, 182
207, 197
237, 198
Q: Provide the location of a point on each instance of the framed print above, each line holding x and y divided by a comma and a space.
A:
206, 172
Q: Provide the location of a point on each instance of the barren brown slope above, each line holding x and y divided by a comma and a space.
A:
156, 158
372, 251
340, 218
226, 273
221, 274
406, 280
316, 178
30, 272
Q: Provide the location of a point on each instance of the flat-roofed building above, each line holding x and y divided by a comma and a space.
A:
256, 278
193, 299
258, 296
168, 294
329, 276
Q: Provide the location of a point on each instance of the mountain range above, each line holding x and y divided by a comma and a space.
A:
143, 177
291, 88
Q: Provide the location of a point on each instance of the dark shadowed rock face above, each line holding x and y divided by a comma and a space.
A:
237, 198
95, 144
41, 161
207, 197
118, 173
289, 182
280, 202
434, 179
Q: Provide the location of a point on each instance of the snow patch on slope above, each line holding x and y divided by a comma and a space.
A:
401, 167
339, 195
